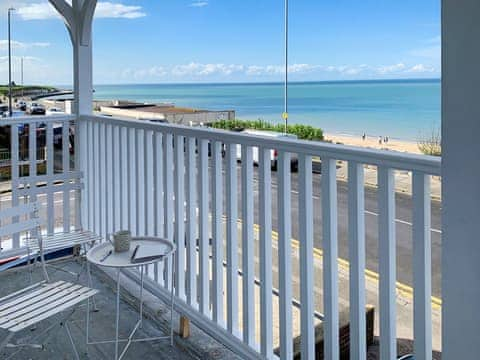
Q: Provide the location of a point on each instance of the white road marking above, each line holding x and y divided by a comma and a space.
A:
403, 222
400, 221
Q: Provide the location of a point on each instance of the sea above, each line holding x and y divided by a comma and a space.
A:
401, 109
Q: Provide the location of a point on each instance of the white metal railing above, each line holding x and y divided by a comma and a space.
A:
172, 181
40, 167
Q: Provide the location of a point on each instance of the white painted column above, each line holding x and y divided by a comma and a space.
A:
461, 179
78, 18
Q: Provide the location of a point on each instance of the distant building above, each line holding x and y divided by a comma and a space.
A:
165, 113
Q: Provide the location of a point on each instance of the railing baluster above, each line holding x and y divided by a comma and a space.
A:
50, 167
124, 189
386, 238
217, 232
248, 247
96, 176
158, 171
140, 182
103, 179
180, 216
109, 188
66, 169
15, 175
159, 198
285, 254
330, 251
204, 273
91, 176
117, 180
192, 224
232, 240
149, 187
305, 215
132, 174
265, 219
80, 142
422, 261
168, 193
32, 148
356, 239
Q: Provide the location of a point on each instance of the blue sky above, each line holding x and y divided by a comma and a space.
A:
154, 41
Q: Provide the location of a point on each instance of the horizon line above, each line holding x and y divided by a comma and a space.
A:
268, 82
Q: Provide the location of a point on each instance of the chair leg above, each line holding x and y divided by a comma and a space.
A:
90, 283
67, 330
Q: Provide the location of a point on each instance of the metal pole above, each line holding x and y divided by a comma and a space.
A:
285, 110
9, 65
22, 73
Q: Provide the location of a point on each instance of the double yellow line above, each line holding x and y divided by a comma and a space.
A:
404, 290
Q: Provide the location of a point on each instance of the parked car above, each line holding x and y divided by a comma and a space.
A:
3, 110
273, 152
55, 111
36, 109
21, 105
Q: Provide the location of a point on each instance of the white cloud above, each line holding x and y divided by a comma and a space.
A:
421, 68
384, 70
198, 4
202, 70
225, 72
22, 45
220, 71
114, 10
41, 11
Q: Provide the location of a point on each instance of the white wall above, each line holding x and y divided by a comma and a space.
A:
461, 178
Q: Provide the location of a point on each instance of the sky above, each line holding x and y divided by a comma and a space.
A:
178, 41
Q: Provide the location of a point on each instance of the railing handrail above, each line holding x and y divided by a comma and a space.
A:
392, 159
35, 119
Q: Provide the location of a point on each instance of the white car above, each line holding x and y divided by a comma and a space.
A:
55, 111
273, 152
36, 109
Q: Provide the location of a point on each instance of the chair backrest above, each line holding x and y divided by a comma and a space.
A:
19, 219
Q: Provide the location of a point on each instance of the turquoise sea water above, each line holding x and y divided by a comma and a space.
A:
404, 109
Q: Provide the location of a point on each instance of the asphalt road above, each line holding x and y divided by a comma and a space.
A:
403, 226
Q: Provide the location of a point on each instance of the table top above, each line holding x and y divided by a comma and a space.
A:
123, 259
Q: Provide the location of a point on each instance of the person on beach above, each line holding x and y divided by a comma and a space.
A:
380, 140
364, 136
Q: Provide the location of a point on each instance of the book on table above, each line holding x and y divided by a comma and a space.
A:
144, 253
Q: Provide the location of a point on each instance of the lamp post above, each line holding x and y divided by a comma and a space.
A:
285, 107
9, 64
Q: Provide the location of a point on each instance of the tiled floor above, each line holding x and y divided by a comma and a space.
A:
57, 345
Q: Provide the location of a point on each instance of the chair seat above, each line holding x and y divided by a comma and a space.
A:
38, 302
59, 241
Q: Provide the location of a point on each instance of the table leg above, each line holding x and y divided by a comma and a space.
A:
172, 300
141, 295
87, 323
117, 314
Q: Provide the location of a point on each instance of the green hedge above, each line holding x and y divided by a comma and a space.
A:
16, 89
304, 132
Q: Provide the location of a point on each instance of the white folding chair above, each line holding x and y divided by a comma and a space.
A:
38, 243
41, 301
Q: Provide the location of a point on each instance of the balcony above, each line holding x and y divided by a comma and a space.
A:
264, 257
240, 275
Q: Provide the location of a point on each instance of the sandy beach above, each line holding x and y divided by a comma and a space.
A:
372, 142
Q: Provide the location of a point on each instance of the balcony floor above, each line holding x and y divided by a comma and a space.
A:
103, 325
